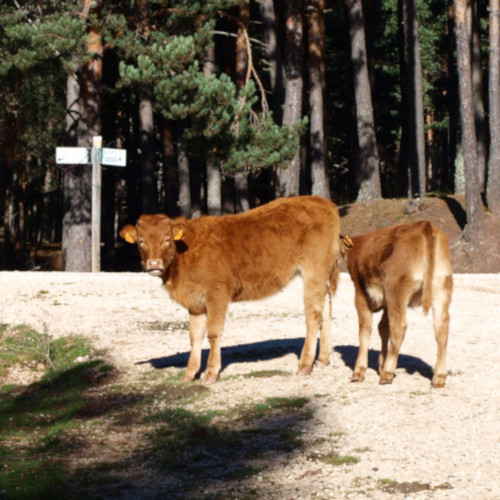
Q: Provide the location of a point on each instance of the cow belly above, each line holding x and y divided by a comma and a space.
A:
259, 289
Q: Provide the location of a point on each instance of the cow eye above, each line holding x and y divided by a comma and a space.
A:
142, 243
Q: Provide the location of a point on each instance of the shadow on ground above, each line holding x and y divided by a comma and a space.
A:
411, 364
243, 353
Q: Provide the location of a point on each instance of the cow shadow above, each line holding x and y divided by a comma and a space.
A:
243, 353
411, 364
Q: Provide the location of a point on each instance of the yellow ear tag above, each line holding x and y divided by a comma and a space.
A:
129, 238
179, 234
347, 241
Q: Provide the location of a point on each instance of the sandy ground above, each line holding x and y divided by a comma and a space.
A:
445, 439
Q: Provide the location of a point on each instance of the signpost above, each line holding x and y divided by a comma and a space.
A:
96, 156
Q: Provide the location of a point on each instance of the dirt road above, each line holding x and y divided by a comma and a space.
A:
411, 441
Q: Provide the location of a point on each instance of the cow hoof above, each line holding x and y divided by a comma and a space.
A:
357, 377
439, 381
305, 370
386, 378
209, 379
187, 378
321, 364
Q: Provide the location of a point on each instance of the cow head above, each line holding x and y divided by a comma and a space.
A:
155, 236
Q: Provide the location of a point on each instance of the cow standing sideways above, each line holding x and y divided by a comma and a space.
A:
207, 263
393, 268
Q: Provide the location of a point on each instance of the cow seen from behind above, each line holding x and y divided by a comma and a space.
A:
392, 269
207, 263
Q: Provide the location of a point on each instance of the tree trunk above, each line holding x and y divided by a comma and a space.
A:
316, 49
493, 188
241, 193
183, 174
214, 181
477, 92
369, 174
77, 230
452, 102
403, 173
149, 188
170, 182
289, 179
474, 231
416, 105
275, 61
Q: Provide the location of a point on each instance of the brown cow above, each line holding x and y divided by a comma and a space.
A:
207, 263
393, 268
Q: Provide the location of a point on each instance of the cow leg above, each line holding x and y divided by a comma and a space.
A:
441, 319
383, 330
314, 300
216, 315
325, 339
365, 318
397, 328
197, 326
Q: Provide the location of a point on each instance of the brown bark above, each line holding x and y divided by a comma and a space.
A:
240, 178
277, 75
76, 236
493, 187
170, 183
149, 188
368, 172
477, 92
416, 106
474, 231
214, 181
289, 179
316, 61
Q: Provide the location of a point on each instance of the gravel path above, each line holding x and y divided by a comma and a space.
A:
421, 442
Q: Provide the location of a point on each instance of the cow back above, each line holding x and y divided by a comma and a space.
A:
255, 254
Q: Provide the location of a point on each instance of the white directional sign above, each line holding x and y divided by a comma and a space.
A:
95, 156
114, 157
73, 156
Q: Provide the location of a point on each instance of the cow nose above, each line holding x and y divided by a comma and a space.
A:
154, 266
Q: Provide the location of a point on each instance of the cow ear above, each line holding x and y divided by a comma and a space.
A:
178, 230
129, 233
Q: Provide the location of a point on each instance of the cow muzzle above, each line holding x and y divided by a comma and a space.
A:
155, 267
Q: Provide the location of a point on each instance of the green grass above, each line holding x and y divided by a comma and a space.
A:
22, 344
334, 459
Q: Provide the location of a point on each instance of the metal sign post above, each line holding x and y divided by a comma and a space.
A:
94, 156
96, 204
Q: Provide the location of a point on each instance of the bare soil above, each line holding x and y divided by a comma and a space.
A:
447, 213
411, 441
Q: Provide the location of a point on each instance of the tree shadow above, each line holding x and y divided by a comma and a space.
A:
410, 364
457, 210
244, 353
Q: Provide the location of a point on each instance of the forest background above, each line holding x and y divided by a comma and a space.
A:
224, 105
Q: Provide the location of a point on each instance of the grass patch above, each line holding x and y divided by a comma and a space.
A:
38, 421
405, 488
267, 374
23, 345
335, 459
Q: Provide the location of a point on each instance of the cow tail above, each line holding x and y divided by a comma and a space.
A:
430, 238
